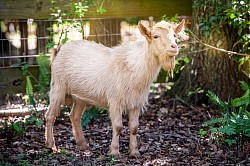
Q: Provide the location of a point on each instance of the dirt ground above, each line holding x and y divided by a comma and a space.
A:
168, 135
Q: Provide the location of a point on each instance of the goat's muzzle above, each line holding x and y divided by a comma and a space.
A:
173, 50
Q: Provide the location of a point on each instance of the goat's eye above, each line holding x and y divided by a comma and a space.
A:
156, 36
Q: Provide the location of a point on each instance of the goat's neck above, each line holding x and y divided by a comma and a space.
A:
152, 62
150, 67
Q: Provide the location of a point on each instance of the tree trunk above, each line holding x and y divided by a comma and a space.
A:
210, 69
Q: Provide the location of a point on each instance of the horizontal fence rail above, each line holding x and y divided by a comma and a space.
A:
21, 41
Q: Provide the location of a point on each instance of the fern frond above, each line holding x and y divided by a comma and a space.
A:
214, 121
44, 73
89, 115
223, 106
29, 91
29, 88
244, 85
240, 102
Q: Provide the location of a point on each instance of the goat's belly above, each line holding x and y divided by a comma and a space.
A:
91, 100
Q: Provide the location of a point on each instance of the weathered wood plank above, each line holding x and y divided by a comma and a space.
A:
13, 81
19, 112
39, 9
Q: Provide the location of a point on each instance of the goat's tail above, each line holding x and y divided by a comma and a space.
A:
54, 52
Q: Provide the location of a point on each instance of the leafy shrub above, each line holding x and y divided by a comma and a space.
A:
44, 73
14, 128
236, 15
34, 119
17, 126
44, 78
76, 12
234, 126
180, 63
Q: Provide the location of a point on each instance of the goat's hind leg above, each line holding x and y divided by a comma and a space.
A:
56, 99
75, 117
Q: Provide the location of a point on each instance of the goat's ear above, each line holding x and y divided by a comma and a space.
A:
144, 31
179, 27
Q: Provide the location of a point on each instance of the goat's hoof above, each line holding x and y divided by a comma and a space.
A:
135, 154
51, 146
114, 151
86, 150
115, 154
53, 150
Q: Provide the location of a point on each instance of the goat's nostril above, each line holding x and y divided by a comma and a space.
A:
173, 46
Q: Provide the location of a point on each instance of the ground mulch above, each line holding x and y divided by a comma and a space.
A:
168, 135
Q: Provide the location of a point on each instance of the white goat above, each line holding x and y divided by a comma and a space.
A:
118, 78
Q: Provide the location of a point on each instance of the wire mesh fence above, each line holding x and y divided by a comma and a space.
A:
21, 41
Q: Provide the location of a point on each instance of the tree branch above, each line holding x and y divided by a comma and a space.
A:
215, 48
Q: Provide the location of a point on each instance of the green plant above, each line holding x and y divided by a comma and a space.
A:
90, 114
180, 63
238, 16
195, 93
112, 160
234, 126
29, 92
171, 19
29, 88
14, 128
43, 85
71, 15
34, 119
233, 13
18, 127
202, 132
44, 73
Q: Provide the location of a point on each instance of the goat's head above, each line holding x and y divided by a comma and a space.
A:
162, 40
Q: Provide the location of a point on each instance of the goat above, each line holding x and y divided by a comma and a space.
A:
86, 73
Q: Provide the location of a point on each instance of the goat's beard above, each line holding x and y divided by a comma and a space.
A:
168, 63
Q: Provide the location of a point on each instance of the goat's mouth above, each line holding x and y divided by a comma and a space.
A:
172, 52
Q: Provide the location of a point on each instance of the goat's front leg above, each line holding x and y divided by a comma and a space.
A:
75, 117
116, 119
133, 126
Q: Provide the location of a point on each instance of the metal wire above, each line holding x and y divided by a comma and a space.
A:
14, 44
